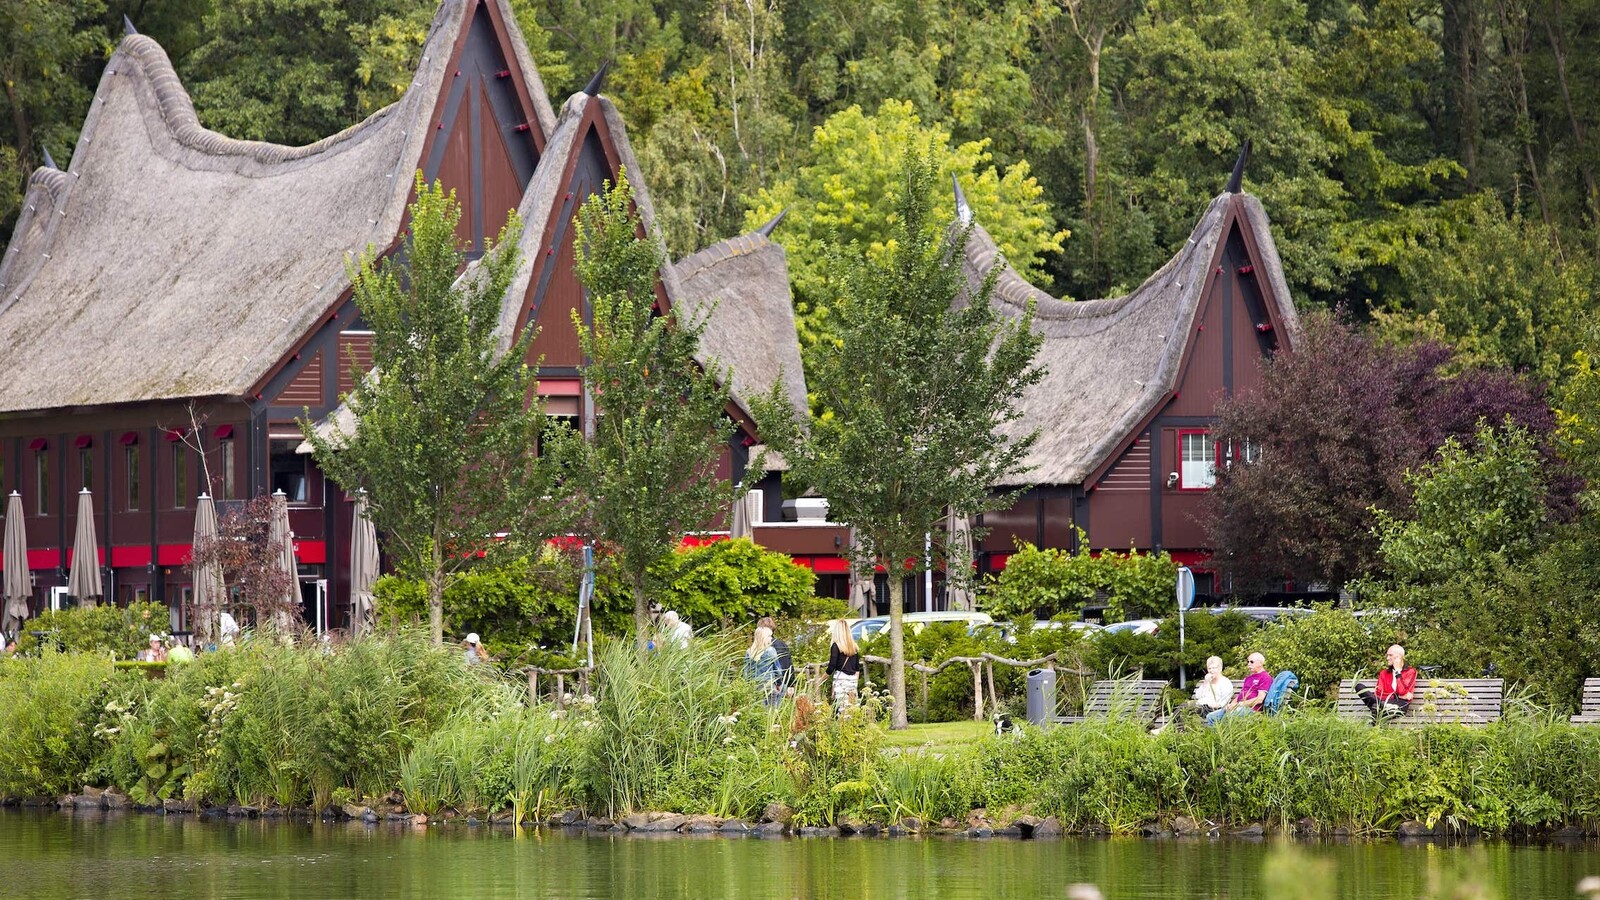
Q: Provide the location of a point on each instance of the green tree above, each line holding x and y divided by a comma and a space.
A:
296, 71
647, 475
1046, 583
853, 190
1499, 289
923, 375
44, 48
1488, 575
444, 436
1477, 507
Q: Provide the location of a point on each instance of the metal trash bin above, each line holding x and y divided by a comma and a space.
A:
1041, 696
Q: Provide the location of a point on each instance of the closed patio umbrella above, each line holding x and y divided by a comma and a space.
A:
209, 589
281, 537
363, 567
18, 583
746, 512
958, 590
83, 581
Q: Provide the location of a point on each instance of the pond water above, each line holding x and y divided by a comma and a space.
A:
60, 855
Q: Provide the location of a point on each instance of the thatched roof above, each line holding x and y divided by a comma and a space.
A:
1109, 363
743, 284
172, 261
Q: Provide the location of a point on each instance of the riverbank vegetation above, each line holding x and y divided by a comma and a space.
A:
269, 725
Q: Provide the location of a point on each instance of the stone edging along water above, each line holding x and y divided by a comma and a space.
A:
775, 821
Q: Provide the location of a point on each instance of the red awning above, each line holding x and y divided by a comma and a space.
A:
224, 432
128, 437
38, 444
173, 434
83, 441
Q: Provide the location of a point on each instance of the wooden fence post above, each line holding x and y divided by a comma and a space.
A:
561, 691
977, 691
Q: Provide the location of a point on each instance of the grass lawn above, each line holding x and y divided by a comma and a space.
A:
941, 736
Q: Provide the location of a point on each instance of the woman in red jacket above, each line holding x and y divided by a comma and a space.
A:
1396, 685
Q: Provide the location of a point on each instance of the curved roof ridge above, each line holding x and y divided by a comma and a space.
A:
721, 251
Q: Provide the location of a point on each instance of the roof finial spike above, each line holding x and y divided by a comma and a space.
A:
1236, 180
963, 210
599, 79
766, 230
49, 161
127, 25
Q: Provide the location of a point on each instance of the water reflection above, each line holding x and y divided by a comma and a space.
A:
60, 855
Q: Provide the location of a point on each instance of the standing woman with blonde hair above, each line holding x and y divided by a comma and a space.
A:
761, 665
844, 664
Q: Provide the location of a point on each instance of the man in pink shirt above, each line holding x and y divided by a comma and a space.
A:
1251, 693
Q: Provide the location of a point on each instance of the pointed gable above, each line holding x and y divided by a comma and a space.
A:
175, 262
1112, 364
750, 329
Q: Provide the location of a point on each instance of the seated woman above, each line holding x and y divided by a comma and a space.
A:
1215, 690
1397, 684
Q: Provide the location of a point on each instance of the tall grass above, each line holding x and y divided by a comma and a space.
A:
48, 710
1281, 770
665, 723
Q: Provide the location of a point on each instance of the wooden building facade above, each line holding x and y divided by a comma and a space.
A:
173, 304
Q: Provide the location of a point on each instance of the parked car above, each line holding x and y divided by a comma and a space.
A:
1137, 626
915, 622
1007, 634
1264, 613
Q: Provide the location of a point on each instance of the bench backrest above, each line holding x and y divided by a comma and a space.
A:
1591, 697
1140, 699
1468, 701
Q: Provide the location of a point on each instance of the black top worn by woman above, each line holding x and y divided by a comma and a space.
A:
838, 662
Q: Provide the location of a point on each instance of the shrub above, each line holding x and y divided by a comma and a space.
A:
1156, 655
105, 629
48, 705
518, 608
733, 581
268, 723
1324, 647
1045, 583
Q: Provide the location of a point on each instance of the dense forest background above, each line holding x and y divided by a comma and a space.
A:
1430, 163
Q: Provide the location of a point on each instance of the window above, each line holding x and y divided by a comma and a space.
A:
225, 489
180, 475
41, 473
1197, 457
289, 469
1252, 453
130, 457
86, 465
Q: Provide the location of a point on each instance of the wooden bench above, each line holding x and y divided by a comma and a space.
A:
1589, 711
1125, 698
1465, 701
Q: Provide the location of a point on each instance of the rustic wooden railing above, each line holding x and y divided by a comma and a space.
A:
981, 666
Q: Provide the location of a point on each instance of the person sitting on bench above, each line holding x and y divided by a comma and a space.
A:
1251, 693
1397, 683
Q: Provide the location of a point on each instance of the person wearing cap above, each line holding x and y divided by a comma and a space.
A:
474, 653
155, 652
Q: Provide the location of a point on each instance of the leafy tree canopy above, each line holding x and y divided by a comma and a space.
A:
1338, 422
647, 476
444, 437
918, 385
852, 191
